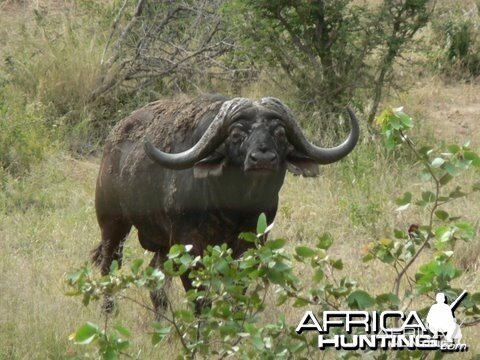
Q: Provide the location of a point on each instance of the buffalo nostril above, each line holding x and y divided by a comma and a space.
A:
260, 157
271, 157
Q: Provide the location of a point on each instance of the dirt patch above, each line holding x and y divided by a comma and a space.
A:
452, 111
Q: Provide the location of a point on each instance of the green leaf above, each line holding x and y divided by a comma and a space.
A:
463, 164
405, 120
168, 267
476, 162
425, 150
297, 347
476, 297
388, 298
454, 148
275, 277
385, 256
395, 123
425, 176
442, 215
465, 230
325, 241
114, 266
86, 334
136, 264
337, 264
122, 345
304, 251
301, 303
451, 169
360, 299
185, 315
110, 353
368, 257
318, 276
390, 143
261, 223
222, 266
470, 155
159, 332
445, 179
405, 199
400, 234
275, 244
122, 330
257, 342
248, 236
444, 233
457, 193
428, 196
175, 251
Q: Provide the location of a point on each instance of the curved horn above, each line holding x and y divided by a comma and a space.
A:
297, 138
210, 140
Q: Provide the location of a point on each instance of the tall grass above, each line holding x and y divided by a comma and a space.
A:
23, 134
50, 64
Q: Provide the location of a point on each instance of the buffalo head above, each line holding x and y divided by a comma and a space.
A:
257, 136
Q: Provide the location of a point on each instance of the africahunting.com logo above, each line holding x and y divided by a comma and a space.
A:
439, 331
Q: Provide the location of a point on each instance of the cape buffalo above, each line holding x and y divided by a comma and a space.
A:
199, 171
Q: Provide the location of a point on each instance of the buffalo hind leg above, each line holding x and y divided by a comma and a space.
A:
160, 297
114, 233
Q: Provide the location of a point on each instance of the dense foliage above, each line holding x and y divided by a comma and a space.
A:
83, 70
332, 52
457, 35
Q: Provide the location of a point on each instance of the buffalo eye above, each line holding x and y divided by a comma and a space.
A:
237, 135
279, 133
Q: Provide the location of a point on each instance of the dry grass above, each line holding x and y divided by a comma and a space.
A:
48, 226
48, 59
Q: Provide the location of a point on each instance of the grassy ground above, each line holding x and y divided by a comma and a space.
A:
48, 227
47, 219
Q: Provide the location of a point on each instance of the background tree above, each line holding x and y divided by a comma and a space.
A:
163, 46
332, 52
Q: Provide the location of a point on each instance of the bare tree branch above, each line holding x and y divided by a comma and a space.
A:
114, 29
164, 40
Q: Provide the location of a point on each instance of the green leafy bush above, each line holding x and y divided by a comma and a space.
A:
235, 291
457, 40
23, 134
331, 52
439, 230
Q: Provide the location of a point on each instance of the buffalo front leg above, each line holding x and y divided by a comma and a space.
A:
114, 233
187, 285
160, 297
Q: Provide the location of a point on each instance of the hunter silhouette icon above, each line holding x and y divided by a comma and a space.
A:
441, 318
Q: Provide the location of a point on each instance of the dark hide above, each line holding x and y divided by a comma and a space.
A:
208, 204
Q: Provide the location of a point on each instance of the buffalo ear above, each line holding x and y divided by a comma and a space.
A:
210, 166
299, 164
